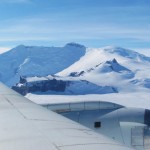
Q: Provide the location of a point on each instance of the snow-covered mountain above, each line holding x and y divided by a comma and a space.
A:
112, 66
37, 61
82, 70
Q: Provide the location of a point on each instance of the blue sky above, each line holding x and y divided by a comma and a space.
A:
94, 23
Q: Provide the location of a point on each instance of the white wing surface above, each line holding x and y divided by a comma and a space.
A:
28, 126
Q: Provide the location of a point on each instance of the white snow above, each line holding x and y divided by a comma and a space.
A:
135, 99
35, 78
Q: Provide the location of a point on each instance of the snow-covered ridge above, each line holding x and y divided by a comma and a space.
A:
37, 61
126, 53
96, 56
105, 67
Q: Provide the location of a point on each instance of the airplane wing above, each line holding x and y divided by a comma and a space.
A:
28, 126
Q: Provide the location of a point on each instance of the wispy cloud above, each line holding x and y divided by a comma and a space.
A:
55, 21
44, 29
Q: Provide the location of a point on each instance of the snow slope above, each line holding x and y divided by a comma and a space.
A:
112, 66
37, 61
96, 56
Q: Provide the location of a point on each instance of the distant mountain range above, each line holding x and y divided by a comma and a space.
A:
74, 70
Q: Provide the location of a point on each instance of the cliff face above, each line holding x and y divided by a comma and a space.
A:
41, 86
64, 87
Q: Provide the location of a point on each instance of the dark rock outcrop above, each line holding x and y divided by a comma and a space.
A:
41, 86
64, 87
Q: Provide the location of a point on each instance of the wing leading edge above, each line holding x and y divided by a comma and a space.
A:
28, 126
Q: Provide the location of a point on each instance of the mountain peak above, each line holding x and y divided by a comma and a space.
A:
126, 53
20, 46
113, 61
112, 65
72, 44
117, 49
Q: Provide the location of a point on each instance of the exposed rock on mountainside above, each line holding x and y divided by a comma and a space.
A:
57, 86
